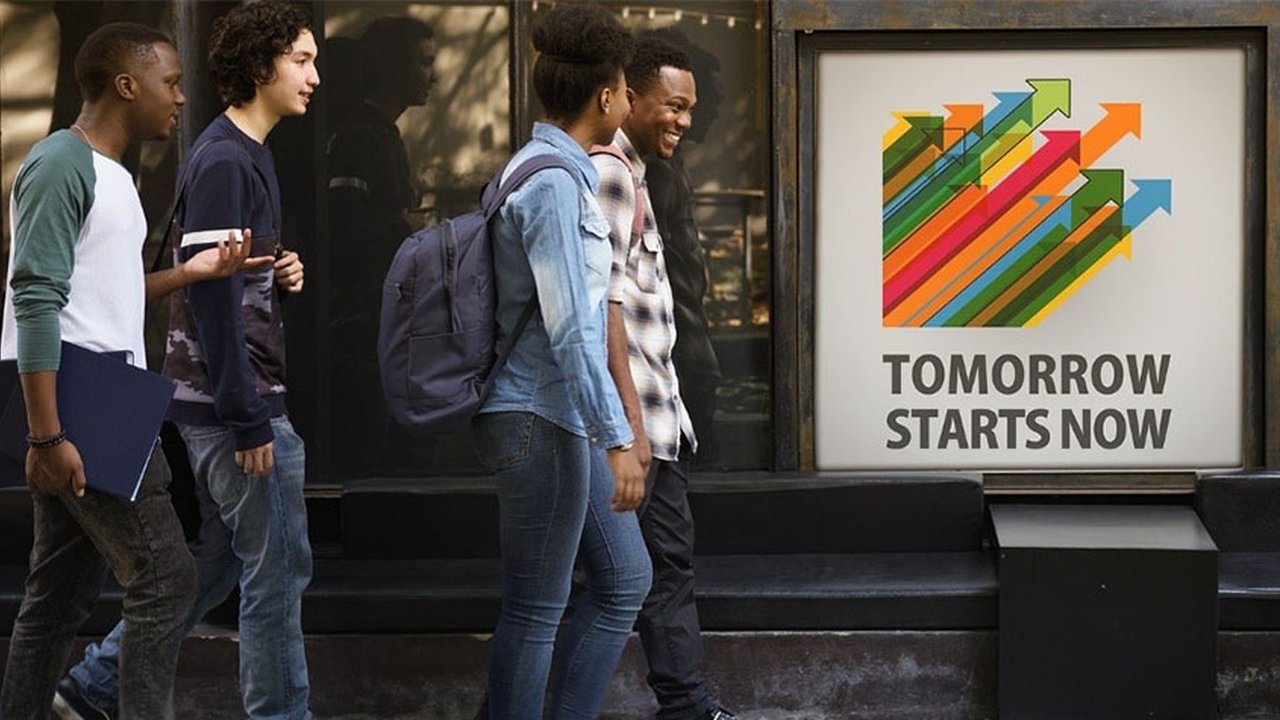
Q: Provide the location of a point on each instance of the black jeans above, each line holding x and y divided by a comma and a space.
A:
668, 622
77, 540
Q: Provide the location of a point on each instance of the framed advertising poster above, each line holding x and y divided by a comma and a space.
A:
1030, 252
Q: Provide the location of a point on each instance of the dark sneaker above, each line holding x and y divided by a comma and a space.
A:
70, 703
718, 714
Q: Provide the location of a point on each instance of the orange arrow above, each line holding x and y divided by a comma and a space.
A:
1121, 119
961, 120
1057, 180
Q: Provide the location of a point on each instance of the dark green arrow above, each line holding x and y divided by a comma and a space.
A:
1101, 187
925, 130
1070, 266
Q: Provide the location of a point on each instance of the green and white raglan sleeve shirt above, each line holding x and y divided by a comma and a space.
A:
75, 263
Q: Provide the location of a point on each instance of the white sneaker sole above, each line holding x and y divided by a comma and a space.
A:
63, 711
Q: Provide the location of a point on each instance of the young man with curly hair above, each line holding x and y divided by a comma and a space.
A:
226, 350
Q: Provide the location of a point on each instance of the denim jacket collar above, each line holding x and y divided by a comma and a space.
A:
561, 140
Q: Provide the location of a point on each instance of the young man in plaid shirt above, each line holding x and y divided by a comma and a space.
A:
642, 333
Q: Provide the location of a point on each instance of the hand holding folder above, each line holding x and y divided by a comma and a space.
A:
111, 410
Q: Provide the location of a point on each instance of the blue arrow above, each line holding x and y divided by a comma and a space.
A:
1151, 195
1006, 102
1060, 218
919, 183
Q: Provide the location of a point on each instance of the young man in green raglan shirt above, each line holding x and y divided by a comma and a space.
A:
76, 274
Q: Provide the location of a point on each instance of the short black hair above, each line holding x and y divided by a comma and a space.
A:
246, 43
706, 76
389, 42
651, 55
582, 48
106, 53
704, 63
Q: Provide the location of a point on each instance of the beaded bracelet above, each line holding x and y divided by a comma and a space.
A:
47, 442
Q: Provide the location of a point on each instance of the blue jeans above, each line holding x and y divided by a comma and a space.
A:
253, 531
554, 490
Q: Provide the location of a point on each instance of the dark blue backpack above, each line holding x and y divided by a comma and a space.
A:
436, 330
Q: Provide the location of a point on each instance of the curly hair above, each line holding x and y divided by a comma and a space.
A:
651, 55
107, 51
582, 48
246, 43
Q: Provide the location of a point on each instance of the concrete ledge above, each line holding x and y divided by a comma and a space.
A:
765, 676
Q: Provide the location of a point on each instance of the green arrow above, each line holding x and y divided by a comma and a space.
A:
1050, 96
925, 130
1070, 266
1100, 187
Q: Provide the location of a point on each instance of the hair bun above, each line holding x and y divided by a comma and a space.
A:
581, 34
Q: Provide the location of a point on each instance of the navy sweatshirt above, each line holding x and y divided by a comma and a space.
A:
226, 344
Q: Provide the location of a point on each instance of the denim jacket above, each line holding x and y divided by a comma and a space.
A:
550, 235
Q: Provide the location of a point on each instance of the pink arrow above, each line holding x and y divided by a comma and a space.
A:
1061, 145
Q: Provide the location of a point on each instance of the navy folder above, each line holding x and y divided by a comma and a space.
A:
110, 409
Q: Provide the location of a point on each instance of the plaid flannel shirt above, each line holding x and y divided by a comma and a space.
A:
638, 280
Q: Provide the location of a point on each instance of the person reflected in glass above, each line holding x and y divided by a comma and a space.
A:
345, 80
553, 430
373, 205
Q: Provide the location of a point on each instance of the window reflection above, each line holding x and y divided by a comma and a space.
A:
417, 113
410, 130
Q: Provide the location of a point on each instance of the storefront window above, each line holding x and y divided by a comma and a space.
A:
413, 116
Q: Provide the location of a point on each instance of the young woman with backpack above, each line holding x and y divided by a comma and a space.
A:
553, 429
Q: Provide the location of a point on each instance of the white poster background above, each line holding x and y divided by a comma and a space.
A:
1182, 292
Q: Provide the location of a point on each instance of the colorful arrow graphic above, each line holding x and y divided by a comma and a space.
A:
994, 218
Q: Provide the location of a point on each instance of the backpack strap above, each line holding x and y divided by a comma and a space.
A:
490, 200
525, 316
177, 201
637, 222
